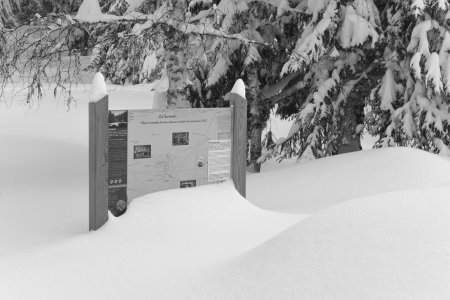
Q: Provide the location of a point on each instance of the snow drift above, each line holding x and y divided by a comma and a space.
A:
391, 246
311, 186
152, 252
169, 244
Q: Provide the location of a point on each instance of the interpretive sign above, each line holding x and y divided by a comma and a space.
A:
154, 150
136, 152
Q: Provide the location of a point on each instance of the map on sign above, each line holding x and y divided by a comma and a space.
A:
154, 150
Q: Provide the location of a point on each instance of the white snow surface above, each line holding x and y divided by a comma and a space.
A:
389, 246
388, 90
367, 225
332, 180
162, 85
90, 12
355, 29
434, 73
150, 64
134, 4
316, 6
164, 240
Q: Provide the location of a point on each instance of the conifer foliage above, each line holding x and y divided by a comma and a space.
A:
381, 66
410, 105
9, 10
336, 68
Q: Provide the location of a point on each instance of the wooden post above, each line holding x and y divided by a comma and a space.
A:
239, 151
98, 163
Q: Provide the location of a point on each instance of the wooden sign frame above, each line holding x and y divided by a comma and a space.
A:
98, 163
98, 155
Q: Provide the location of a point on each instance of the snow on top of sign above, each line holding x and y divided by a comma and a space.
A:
98, 88
239, 88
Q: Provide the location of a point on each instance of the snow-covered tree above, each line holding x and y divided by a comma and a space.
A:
336, 55
336, 68
374, 65
14, 12
203, 47
410, 105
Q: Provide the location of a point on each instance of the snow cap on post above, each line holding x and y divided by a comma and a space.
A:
98, 88
239, 88
89, 11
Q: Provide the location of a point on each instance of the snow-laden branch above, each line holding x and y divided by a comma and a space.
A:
271, 90
350, 83
92, 14
204, 29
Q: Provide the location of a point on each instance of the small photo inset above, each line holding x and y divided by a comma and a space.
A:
142, 151
180, 138
117, 119
118, 116
188, 183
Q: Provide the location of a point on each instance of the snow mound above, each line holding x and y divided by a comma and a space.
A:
312, 186
151, 252
391, 246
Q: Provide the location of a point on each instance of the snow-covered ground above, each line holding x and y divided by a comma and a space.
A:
369, 225
332, 180
43, 167
388, 246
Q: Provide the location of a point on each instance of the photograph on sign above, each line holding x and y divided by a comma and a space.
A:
180, 138
188, 183
117, 119
142, 151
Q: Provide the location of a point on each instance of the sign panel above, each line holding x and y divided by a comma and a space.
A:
154, 150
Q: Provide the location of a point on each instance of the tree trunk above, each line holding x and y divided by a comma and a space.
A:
255, 149
256, 122
354, 116
352, 145
176, 71
175, 58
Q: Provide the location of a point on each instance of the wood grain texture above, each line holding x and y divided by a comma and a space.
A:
239, 152
98, 163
